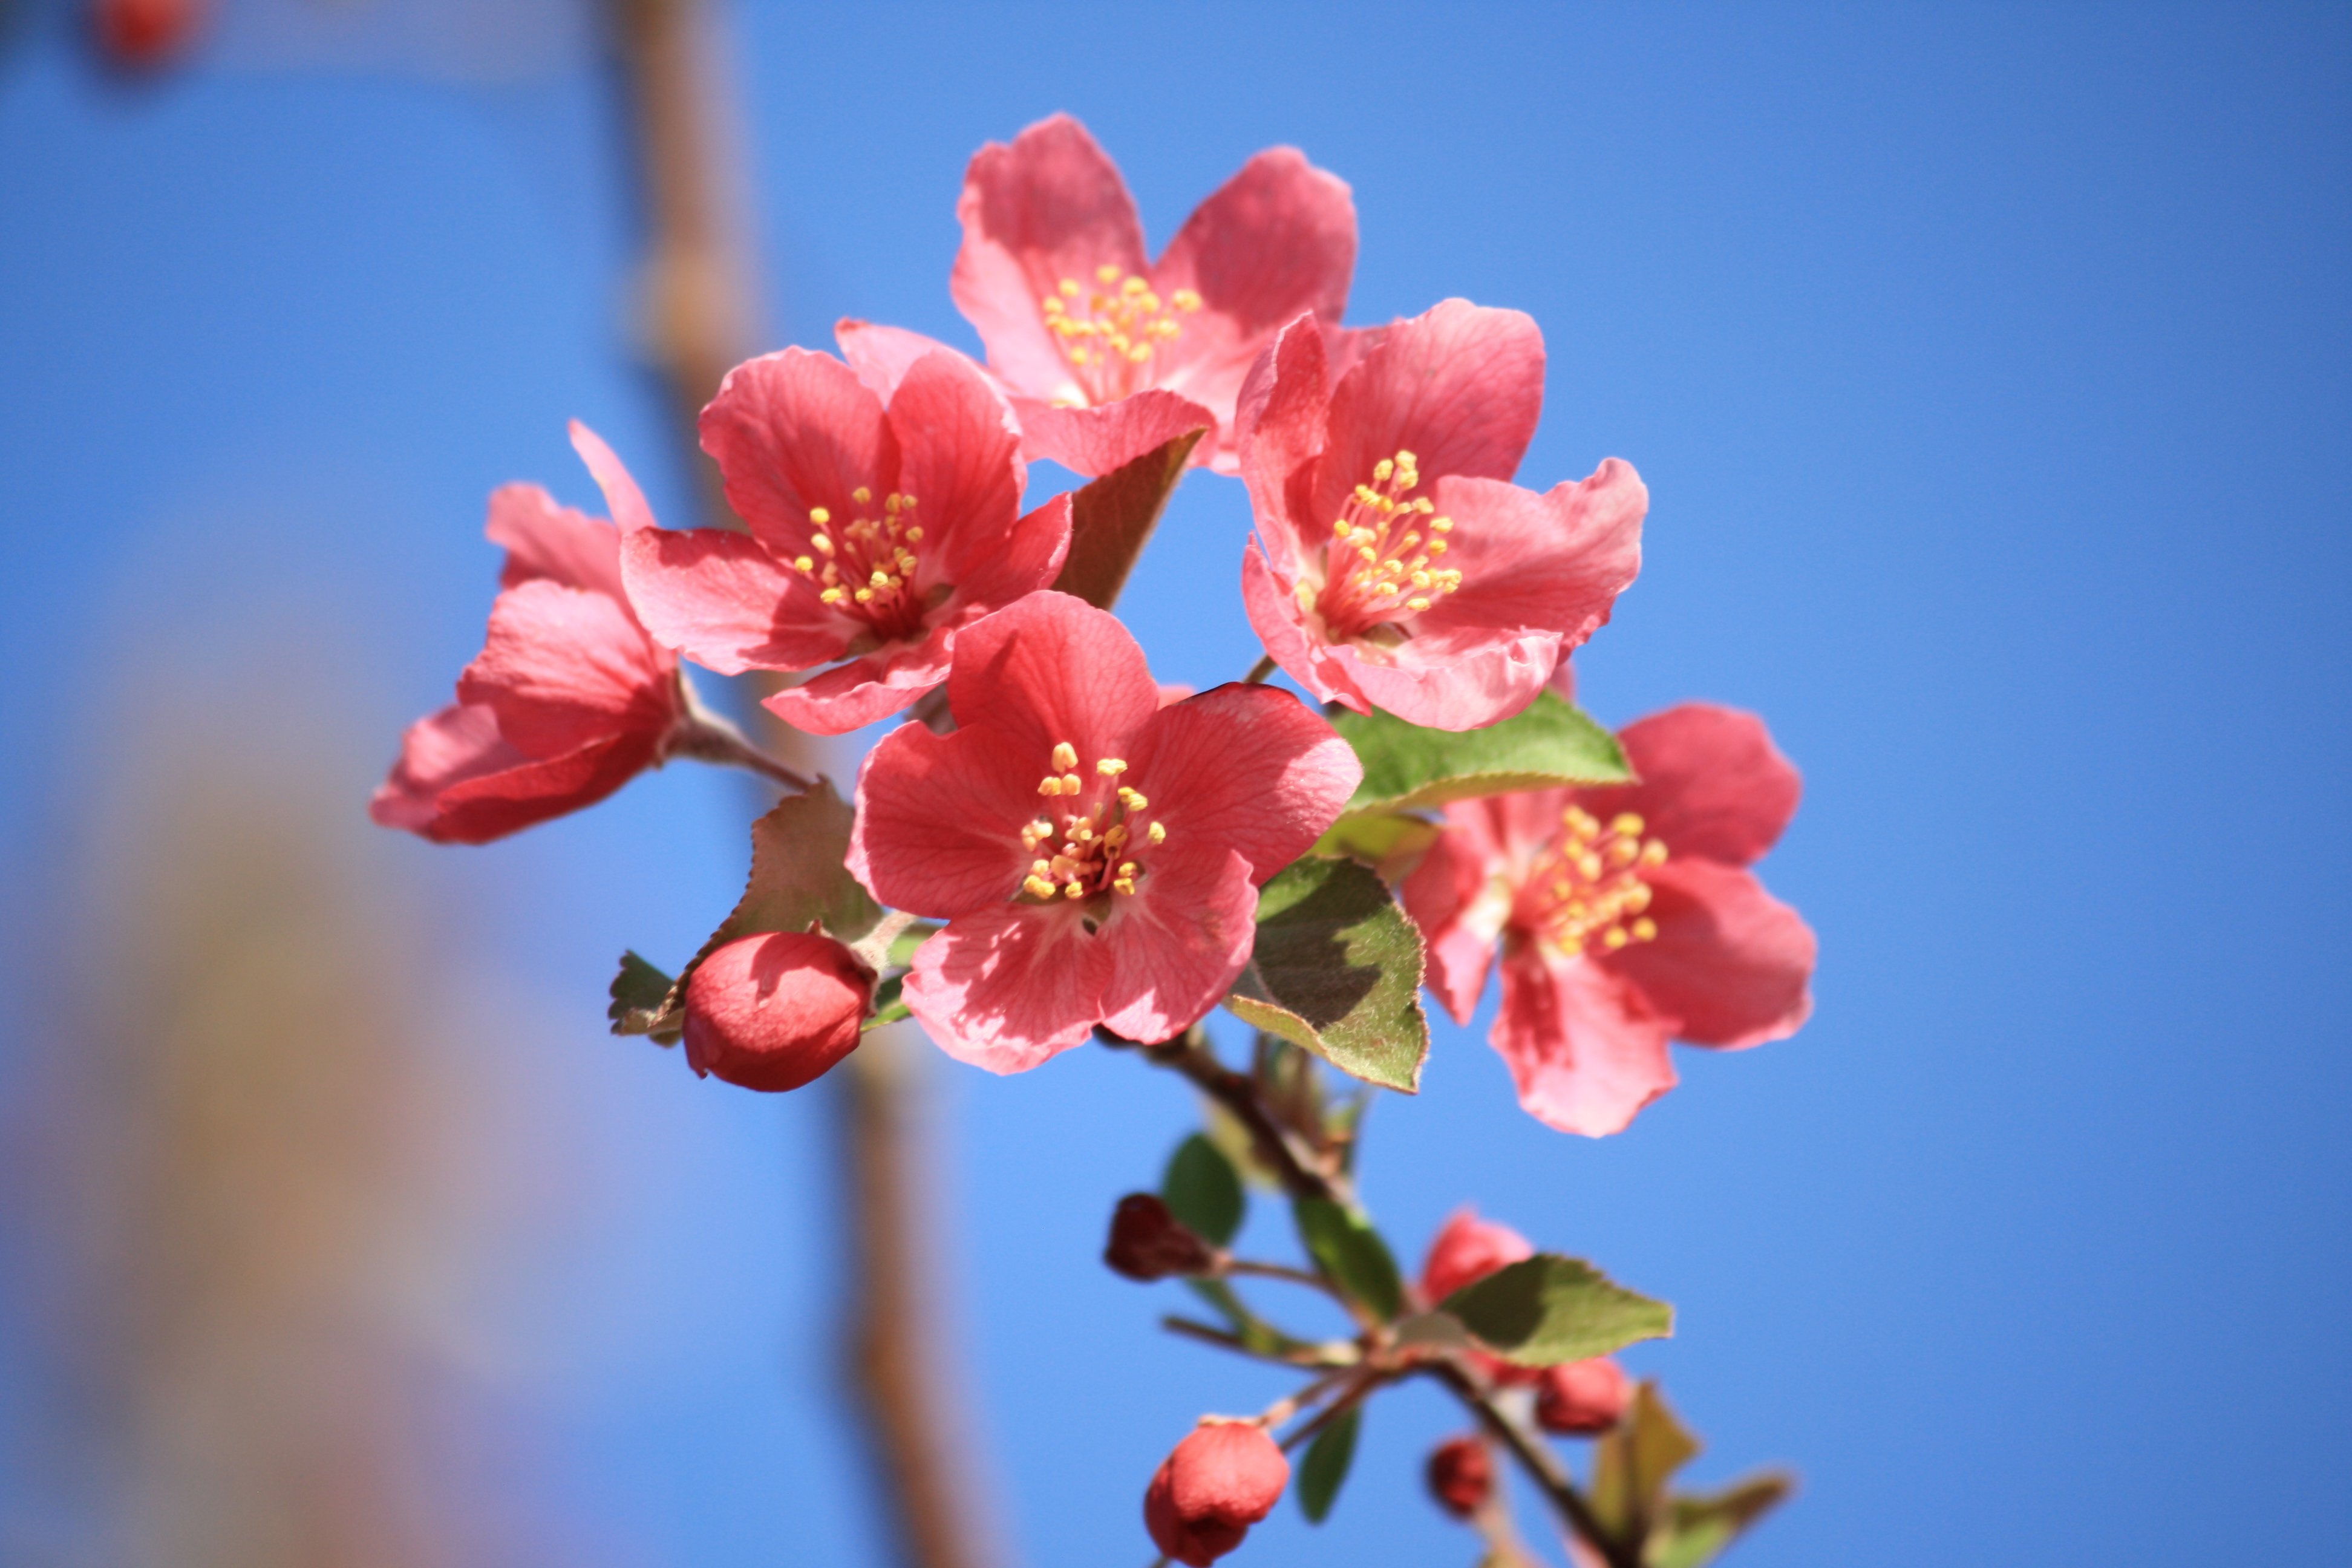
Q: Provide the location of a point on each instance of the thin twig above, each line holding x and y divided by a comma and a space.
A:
1541, 1465
1294, 1162
1282, 1271
1259, 671
708, 738
1305, 1355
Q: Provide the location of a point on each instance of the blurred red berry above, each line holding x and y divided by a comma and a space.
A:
1220, 1480
145, 34
776, 1011
1461, 1476
1148, 1242
1583, 1397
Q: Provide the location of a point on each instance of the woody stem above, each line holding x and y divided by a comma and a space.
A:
1302, 1171
1541, 1465
1259, 671
707, 737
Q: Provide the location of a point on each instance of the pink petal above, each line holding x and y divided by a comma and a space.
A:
1713, 783
1452, 678
1178, 945
1551, 562
1732, 966
1023, 562
1274, 614
621, 497
458, 782
563, 668
1584, 1049
726, 602
1050, 206
1245, 768
1094, 441
1048, 669
882, 355
1465, 1251
1280, 424
795, 430
544, 540
1460, 388
940, 818
854, 695
1007, 986
1276, 240
459, 743
960, 455
1447, 897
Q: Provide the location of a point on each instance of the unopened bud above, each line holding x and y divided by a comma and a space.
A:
776, 1011
1220, 1480
141, 35
1148, 1242
1461, 1476
1583, 1397
1465, 1251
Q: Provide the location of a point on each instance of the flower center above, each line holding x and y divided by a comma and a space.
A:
867, 565
1378, 566
1085, 846
1586, 884
1108, 331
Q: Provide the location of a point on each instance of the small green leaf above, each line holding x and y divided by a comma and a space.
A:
1696, 1529
1550, 742
1111, 520
1326, 1462
1632, 1464
1337, 969
1351, 1254
1547, 1310
638, 992
889, 1006
1202, 1189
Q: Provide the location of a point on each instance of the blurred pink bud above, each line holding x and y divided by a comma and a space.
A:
776, 1011
1466, 1251
1220, 1480
1583, 1397
1148, 1242
1461, 1476
145, 34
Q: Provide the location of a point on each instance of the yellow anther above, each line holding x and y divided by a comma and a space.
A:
880, 579
1436, 546
1039, 886
1107, 273
1342, 527
1130, 799
1155, 834
1406, 460
1065, 757
1623, 851
1441, 525
1072, 890
1123, 884
861, 495
1050, 784
821, 542
1127, 868
832, 596
1381, 472
1645, 929
1039, 868
1111, 767
1069, 288
864, 596
1615, 938
819, 516
1072, 784
1185, 300
914, 536
1416, 604
1653, 853
1133, 285
1588, 866
1580, 822
1628, 822
804, 563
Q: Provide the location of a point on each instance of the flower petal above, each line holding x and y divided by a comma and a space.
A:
851, 695
1732, 966
556, 542
1451, 896
1276, 240
1095, 440
563, 668
1008, 986
1460, 388
1553, 562
793, 430
1028, 559
459, 743
882, 355
960, 455
621, 497
1584, 1049
1713, 783
1051, 205
726, 602
1048, 669
940, 818
1270, 601
1245, 768
1177, 945
1280, 424
457, 781
1451, 677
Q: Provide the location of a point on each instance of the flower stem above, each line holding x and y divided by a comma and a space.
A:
1541, 1465
1259, 671
1302, 1171
1279, 1271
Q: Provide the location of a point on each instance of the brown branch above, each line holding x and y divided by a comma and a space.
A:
1541, 1465
1285, 1151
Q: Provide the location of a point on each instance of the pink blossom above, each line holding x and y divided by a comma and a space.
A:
569, 700
1105, 353
1626, 917
1398, 566
1582, 1398
776, 1011
1096, 857
1224, 1476
877, 532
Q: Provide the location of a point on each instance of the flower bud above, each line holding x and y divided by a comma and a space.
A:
1147, 1243
140, 34
774, 1011
1220, 1480
1583, 1397
1461, 1475
1466, 1251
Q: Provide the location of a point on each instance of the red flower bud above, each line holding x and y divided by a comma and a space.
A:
1220, 1480
1461, 1475
1583, 1397
144, 34
1147, 1243
774, 1011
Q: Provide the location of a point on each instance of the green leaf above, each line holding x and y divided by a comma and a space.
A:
1696, 1529
889, 1006
1375, 838
1326, 1462
1337, 969
1202, 1190
1351, 1254
1632, 1464
1550, 742
1547, 1310
799, 878
638, 992
1112, 519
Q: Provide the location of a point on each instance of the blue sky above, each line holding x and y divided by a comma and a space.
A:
1988, 367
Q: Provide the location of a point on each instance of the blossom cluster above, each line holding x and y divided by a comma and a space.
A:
1047, 846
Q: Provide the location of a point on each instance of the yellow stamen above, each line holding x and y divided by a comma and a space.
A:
1065, 757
